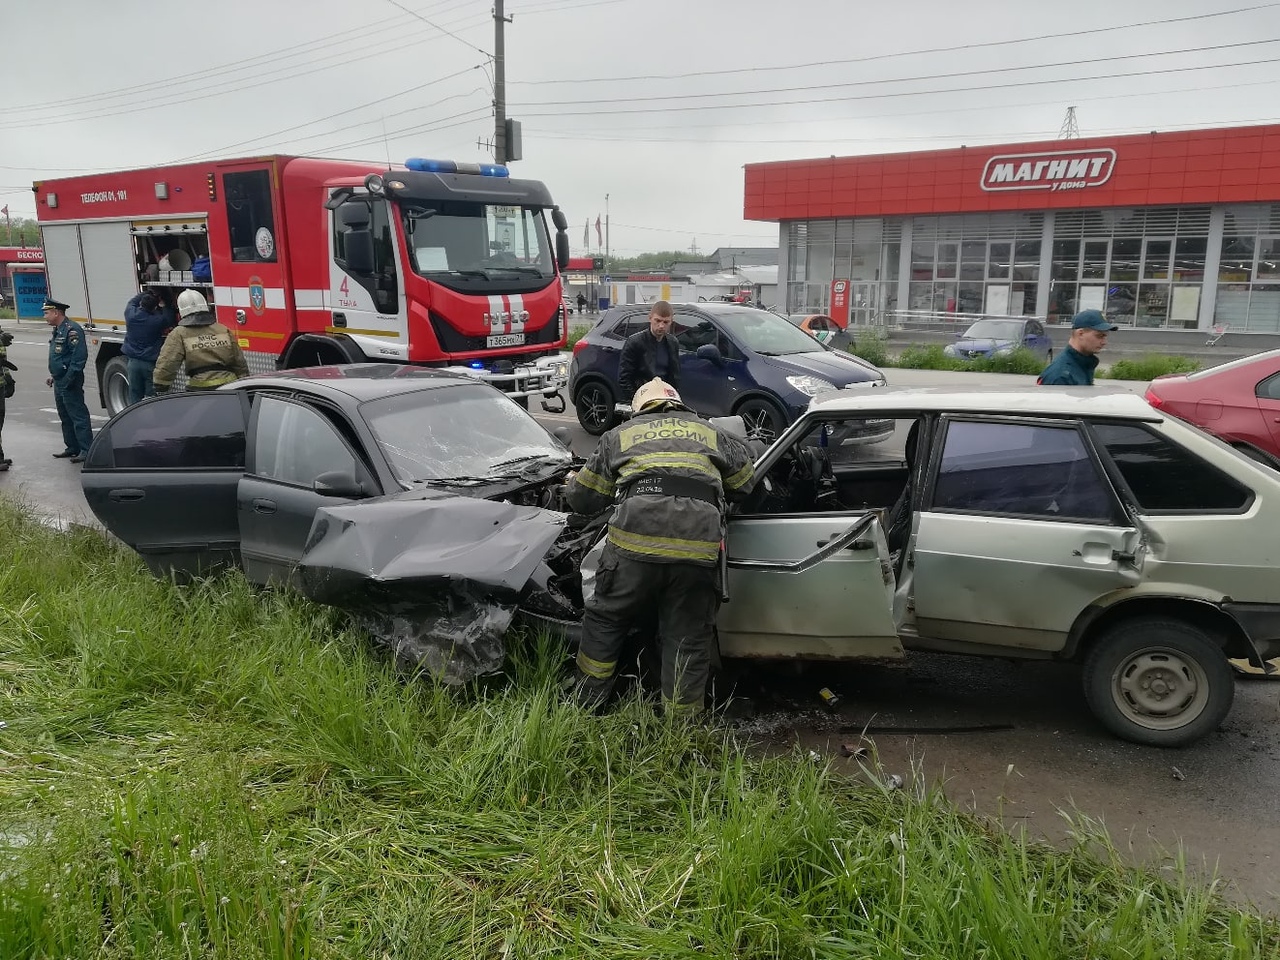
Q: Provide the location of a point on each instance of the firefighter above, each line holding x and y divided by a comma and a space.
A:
671, 473
209, 350
68, 354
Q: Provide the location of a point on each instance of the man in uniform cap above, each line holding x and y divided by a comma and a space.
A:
671, 474
68, 354
1074, 366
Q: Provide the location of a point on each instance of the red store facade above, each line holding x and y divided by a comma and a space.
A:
1162, 230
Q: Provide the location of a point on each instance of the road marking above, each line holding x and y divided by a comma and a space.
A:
54, 411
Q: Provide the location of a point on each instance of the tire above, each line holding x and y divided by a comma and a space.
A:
764, 420
1159, 682
115, 385
594, 405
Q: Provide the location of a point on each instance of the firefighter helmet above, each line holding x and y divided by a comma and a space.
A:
656, 391
190, 301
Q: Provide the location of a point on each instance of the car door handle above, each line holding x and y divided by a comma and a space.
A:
126, 495
264, 506
856, 545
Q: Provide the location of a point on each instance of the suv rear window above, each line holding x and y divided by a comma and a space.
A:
1163, 476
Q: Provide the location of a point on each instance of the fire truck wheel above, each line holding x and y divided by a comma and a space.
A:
115, 385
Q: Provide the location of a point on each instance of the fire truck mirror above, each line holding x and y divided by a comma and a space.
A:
355, 214
562, 250
559, 219
358, 250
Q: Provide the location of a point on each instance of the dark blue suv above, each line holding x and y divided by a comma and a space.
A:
733, 360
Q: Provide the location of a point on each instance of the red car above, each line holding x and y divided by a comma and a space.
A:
1237, 401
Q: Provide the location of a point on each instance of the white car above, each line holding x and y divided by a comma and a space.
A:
1041, 523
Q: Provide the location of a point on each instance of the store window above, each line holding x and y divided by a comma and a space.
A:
1248, 297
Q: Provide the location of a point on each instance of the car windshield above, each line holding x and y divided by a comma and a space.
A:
466, 432
995, 330
487, 240
765, 333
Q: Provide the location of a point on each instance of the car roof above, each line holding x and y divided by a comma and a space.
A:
359, 381
1035, 400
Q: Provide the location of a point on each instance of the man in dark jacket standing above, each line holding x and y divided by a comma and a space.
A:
671, 473
68, 354
147, 319
1075, 365
650, 354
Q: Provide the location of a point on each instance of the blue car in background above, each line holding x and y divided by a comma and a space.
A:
734, 360
993, 338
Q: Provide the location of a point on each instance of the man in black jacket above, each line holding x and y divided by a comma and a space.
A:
650, 354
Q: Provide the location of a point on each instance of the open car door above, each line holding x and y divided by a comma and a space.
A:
162, 477
809, 586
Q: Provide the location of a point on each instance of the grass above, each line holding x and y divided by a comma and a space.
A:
213, 771
1148, 367
8, 313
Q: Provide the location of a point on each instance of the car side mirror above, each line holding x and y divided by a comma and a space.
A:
564, 435
338, 483
709, 351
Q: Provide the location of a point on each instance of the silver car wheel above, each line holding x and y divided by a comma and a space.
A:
1159, 689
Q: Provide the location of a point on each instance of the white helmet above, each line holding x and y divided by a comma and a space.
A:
654, 392
189, 302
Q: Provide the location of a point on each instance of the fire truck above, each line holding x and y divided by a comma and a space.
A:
314, 262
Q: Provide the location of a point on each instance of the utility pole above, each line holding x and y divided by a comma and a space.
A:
500, 151
1069, 130
606, 228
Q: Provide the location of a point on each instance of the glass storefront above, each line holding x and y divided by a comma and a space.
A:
1142, 266
1249, 269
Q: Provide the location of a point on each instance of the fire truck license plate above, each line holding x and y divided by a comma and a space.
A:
505, 340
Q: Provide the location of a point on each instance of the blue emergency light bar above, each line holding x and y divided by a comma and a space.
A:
451, 166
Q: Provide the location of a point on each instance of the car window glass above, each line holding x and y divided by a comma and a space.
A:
192, 431
295, 444
691, 333
1020, 469
1163, 475
629, 325
1269, 389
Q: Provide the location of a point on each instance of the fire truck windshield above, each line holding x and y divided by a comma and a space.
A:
461, 240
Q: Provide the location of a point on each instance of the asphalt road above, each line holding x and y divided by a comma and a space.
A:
1029, 749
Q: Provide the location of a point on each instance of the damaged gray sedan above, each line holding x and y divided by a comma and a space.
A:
423, 502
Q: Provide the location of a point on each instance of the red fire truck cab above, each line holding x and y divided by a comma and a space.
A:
315, 262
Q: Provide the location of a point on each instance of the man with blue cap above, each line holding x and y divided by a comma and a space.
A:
1074, 366
68, 354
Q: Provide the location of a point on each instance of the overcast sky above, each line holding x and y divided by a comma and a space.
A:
657, 103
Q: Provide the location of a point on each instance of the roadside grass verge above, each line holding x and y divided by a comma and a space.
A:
213, 771
873, 346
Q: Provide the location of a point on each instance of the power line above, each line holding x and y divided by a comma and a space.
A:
932, 76
904, 93
468, 43
276, 133
377, 49
632, 128
903, 53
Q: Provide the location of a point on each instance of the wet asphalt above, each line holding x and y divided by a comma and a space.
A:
1006, 739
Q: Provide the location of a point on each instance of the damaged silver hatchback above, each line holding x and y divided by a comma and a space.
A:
1053, 524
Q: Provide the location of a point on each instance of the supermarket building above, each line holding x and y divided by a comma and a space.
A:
1161, 230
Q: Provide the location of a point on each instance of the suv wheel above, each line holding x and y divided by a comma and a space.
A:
1158, 681
594, 404
763, 419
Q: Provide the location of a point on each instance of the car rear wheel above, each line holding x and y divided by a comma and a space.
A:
594, 403
1158, 681
763, 419
115, 385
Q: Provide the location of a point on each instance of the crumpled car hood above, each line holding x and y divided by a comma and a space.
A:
436, 579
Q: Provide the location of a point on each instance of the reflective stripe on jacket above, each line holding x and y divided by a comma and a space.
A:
659, 527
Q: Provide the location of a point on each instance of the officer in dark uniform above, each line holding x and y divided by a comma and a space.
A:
68, 354
671, 474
